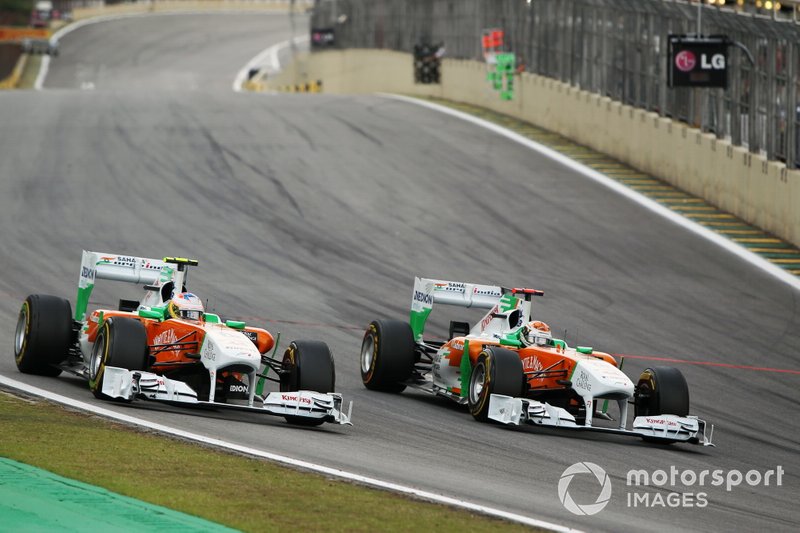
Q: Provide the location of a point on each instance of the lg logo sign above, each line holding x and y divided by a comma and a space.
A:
697, 61
686, 60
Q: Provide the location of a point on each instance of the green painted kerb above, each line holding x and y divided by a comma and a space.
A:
32, 499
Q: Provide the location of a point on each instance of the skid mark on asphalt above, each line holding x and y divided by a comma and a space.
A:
777, 251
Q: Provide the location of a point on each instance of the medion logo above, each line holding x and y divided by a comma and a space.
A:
420, 296
87, 273
237, 388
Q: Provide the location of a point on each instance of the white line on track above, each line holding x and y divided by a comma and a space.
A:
328, 471
694, 227
266, 58
45, 65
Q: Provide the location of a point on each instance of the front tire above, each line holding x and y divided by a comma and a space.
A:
121, 342
310, 367
496, 371
387, 355
661, 390
43, 335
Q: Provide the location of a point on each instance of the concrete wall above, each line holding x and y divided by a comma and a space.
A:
764, 193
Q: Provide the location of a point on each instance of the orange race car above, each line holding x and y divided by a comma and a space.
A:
516, 372
167, 347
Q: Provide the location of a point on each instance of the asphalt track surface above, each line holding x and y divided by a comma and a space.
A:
311, 214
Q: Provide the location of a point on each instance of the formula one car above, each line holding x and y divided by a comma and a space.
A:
515, 371
166, 347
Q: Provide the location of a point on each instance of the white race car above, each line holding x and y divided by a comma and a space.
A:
508, 368
166, 347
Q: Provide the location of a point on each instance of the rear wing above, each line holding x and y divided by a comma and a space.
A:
430, 291
493, 297
116, 267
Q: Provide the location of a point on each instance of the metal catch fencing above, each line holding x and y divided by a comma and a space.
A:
617, 48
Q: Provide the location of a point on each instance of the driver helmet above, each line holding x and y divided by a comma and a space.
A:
186, 306
536, 332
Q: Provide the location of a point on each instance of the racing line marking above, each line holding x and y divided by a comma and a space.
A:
711, 363
305, 465
786, 276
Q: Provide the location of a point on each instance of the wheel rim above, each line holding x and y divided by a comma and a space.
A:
644, 400
97, 355
367, 352
476, 383
22, 327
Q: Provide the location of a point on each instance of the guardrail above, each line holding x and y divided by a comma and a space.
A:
615, 48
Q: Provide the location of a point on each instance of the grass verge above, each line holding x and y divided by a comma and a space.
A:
239, 492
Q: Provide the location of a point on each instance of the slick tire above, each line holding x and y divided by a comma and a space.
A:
120, 342
661, 390
310, 367
387, 355
496, 371
43, 335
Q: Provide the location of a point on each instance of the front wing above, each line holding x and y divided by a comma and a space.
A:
131, 384
666, 428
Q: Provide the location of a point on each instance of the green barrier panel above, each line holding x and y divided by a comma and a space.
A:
506, 65
35, 500
502, 78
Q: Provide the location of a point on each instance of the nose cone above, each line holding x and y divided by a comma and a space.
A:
598, 379
224, 347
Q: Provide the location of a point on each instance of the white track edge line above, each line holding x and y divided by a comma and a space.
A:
45, 65
257, 60
297, 463
640, 199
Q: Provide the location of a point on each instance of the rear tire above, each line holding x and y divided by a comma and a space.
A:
43, 335
496, 371
387, 355
311, 367
120, 342
661, 390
